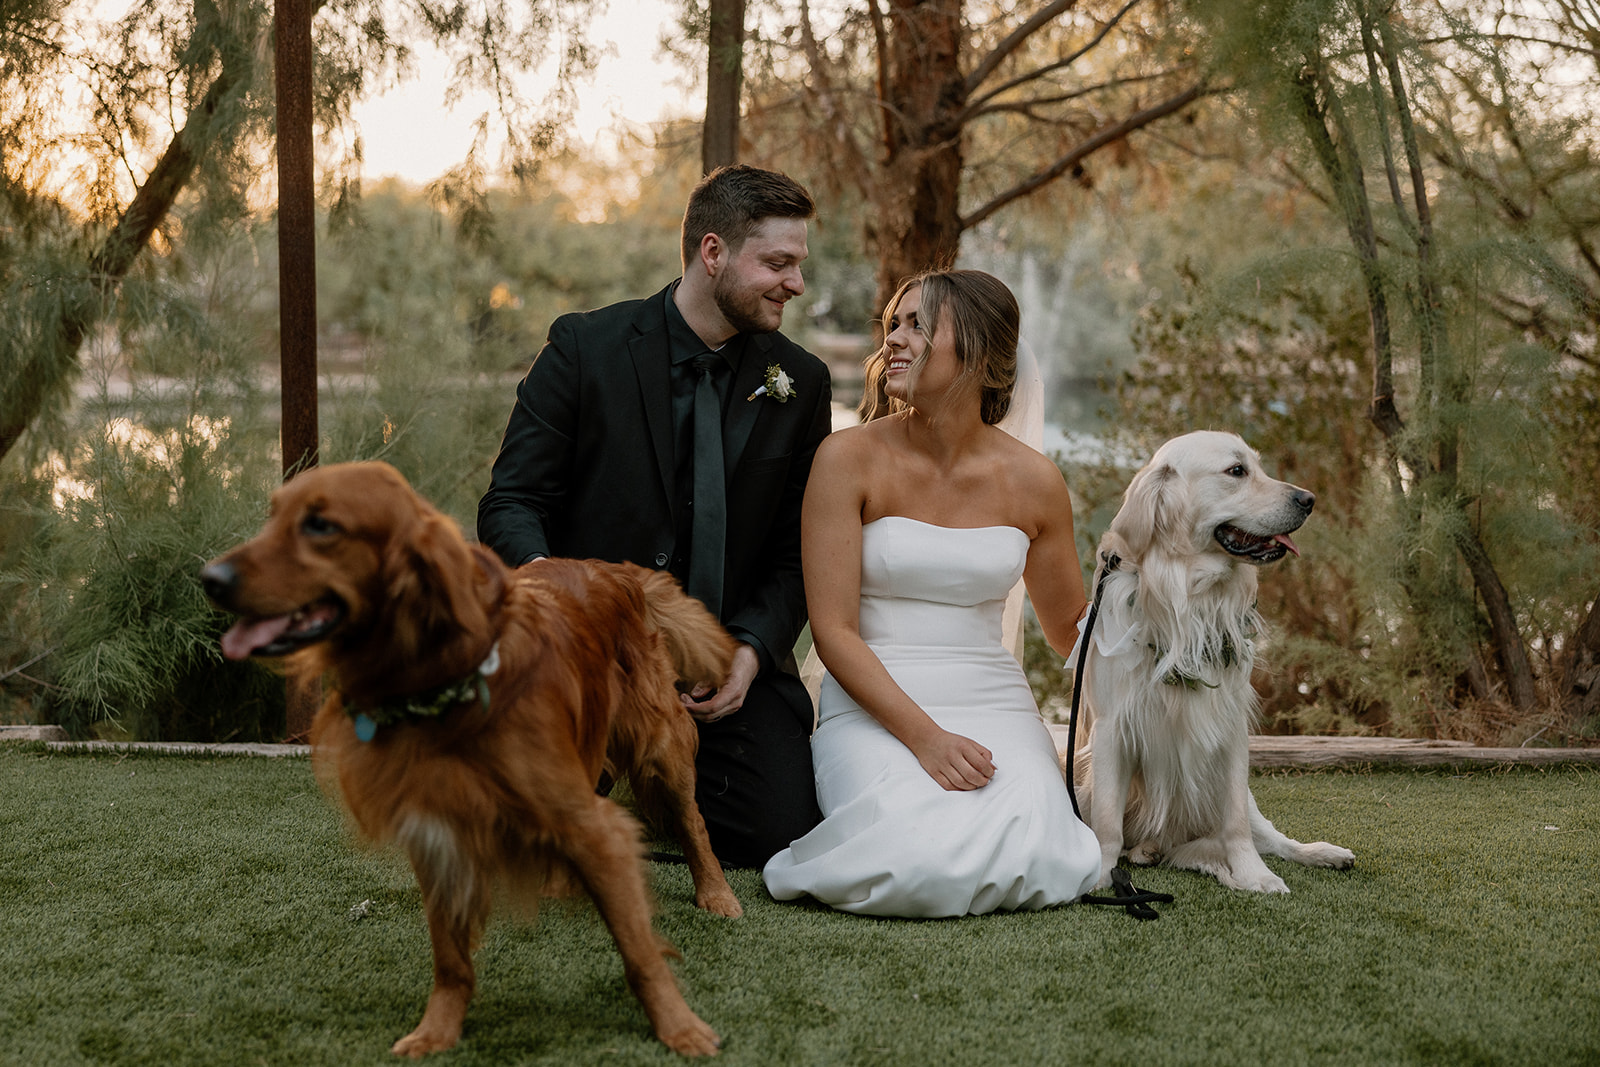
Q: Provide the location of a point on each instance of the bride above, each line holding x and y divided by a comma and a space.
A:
938, 781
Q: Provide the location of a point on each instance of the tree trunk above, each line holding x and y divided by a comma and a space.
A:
1580, 679
1438, 363
918, 223
1502, 619
1341, 165
54, 364
719, 137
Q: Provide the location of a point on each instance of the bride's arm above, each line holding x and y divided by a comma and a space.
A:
1053, 575
830, 549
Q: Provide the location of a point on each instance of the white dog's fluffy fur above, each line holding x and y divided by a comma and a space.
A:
1165, 769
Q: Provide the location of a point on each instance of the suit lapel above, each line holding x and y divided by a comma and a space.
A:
652, 364
742, 413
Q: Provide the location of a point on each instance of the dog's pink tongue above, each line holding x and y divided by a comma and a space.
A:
247, 635
1283, 539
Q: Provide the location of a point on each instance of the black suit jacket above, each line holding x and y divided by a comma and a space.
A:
587, 468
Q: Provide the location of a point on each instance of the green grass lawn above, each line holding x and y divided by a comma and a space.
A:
189, 911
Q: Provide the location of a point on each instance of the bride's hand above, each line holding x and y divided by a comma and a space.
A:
956, 762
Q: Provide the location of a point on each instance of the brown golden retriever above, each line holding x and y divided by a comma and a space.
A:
472, 710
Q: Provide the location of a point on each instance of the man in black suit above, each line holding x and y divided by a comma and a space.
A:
677, 432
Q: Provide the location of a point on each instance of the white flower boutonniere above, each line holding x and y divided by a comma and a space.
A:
779, 386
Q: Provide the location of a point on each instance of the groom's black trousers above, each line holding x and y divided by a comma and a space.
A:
754, 782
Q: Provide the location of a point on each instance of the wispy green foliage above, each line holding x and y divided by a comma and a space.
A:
170, 452
1278, 349
161, 474
1413, 344
157, 119
430, 326
136, 641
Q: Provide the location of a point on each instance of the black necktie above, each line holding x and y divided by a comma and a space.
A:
707, 551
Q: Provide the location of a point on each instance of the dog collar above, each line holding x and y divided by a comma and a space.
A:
1226, 654
1227, 658
474, 688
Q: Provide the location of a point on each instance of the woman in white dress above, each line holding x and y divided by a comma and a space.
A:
938, 781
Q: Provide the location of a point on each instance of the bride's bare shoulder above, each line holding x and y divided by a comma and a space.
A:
1022, 458
841, 451
852, 442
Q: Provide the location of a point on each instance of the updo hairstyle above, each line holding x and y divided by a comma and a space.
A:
983, 317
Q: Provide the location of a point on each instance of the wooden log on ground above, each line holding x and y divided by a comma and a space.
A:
1312, 752
32, 733
1309, 753
1266, 753
182, 748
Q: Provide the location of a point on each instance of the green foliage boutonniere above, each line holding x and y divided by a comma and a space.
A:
779, 386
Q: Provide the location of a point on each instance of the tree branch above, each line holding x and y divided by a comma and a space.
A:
1015, 40
131, 234
1026, 106
1034, 75
880, 44
1109, 135
1502, 619
836, 127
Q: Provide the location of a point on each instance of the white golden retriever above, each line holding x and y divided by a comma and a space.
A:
1166, 766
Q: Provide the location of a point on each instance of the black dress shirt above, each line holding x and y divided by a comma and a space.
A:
684, 345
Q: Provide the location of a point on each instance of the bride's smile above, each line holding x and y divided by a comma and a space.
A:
920, 358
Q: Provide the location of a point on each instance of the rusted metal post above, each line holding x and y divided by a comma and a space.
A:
297, 272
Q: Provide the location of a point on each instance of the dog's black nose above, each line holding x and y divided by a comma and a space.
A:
219, 579
1303, 500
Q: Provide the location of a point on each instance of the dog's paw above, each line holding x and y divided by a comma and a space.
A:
421, 1041
1265, 882
694, 1038
1144, 854
1322, 854
719, 901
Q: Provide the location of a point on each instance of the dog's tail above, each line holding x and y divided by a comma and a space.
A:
701, 650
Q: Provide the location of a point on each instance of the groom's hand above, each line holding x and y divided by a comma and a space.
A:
956, 762
729, 696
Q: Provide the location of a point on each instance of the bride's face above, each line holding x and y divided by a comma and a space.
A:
921, 360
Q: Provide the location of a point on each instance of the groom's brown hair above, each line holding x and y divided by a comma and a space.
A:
732, 200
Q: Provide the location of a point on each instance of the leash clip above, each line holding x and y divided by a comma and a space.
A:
1129, 897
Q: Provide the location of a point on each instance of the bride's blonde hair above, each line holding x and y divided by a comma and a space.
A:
983, 316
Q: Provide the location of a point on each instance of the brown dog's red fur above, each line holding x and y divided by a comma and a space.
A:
589, 654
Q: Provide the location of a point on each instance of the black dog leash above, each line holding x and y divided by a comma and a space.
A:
1126, 895
1111, 562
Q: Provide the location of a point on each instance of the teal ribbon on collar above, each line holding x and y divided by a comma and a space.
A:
431, 704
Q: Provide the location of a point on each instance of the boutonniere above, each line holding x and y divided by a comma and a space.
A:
779, 386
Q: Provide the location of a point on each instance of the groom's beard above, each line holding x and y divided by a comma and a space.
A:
746, 312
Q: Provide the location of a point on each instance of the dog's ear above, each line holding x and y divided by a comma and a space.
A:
1112, 544
491, 575
1151, 512
435, 584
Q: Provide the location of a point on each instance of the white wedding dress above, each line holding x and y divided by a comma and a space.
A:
892, 841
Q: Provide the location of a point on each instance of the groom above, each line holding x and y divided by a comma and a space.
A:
677, 432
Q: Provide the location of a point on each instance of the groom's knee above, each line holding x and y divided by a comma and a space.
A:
754, 780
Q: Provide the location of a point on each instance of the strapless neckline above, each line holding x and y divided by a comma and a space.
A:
936, 526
